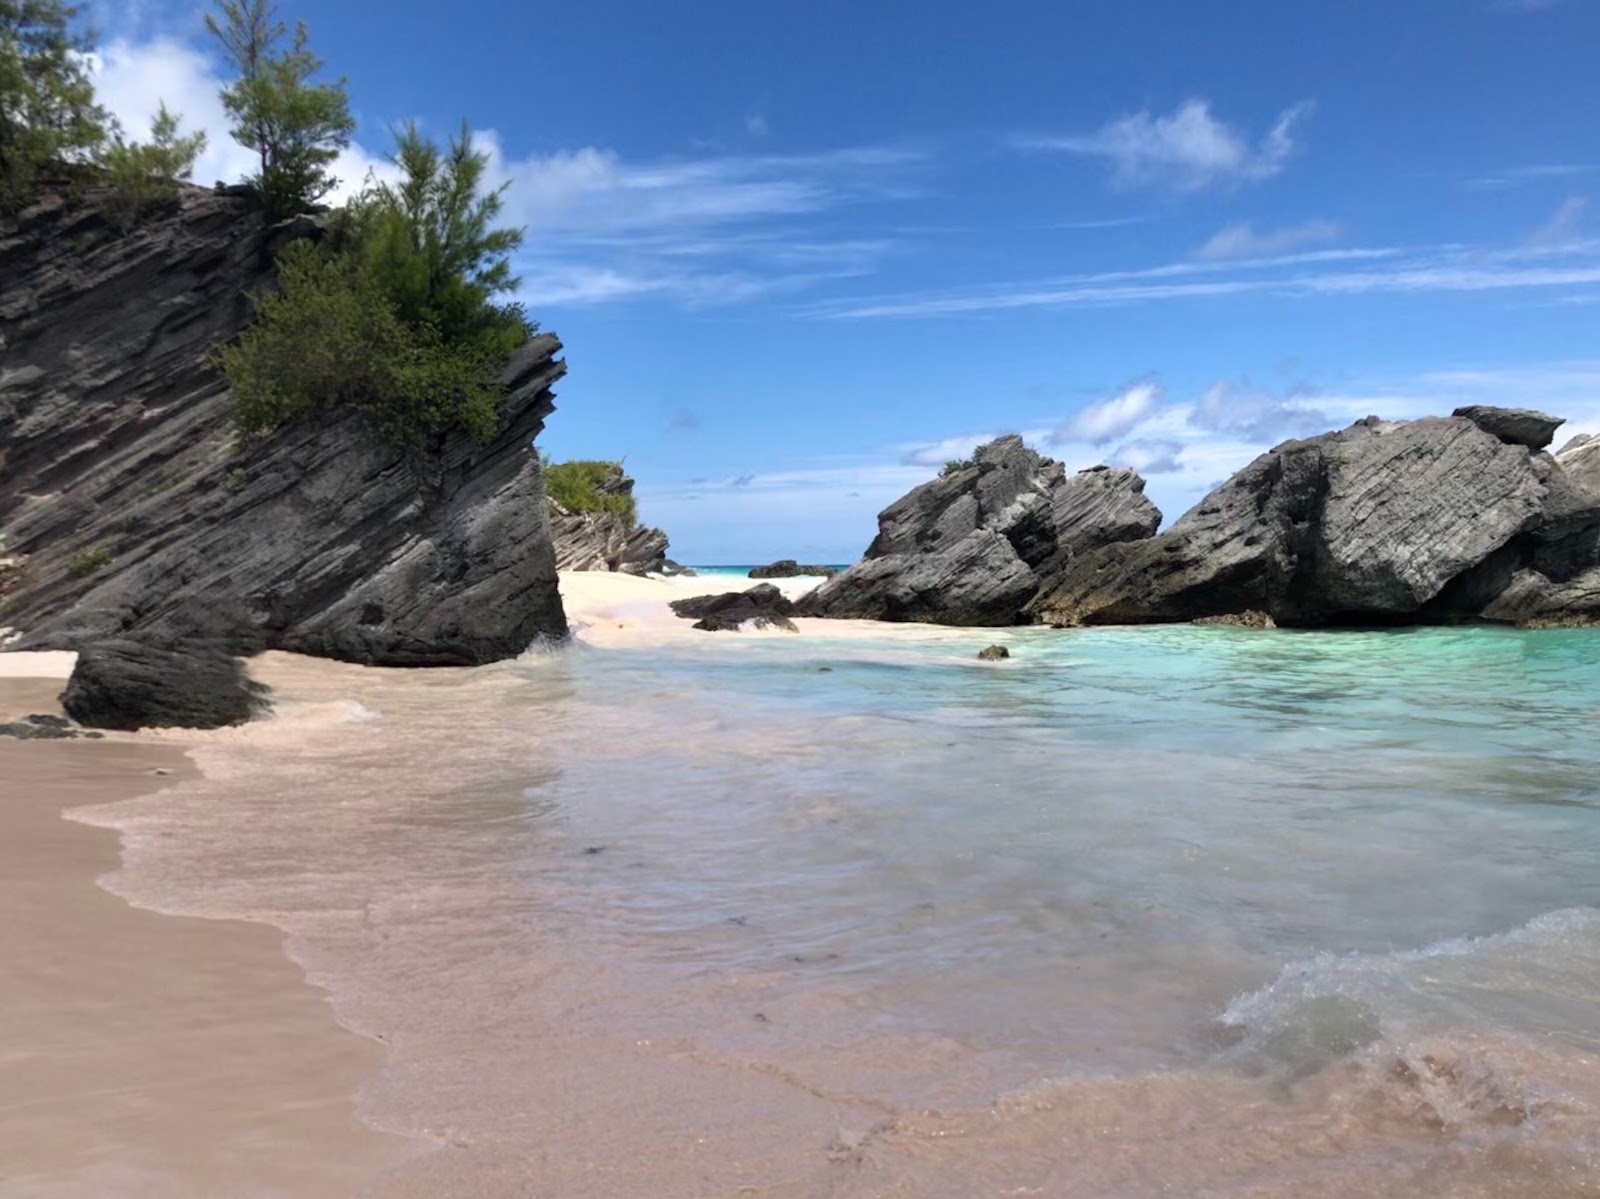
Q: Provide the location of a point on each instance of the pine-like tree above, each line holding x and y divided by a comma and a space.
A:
433, 244
47, 109
295, 126
144, 173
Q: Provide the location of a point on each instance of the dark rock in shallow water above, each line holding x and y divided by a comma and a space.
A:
1240, 620
1514, 426
971, 547
788, 568
131, 685
1422, 520
993, 653
760, 607
126, 495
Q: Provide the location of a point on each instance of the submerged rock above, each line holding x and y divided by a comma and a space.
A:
993, 653
127, 494
132, 685
761, 607
972, 546
1379, 523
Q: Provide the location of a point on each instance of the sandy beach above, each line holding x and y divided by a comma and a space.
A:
149, 1055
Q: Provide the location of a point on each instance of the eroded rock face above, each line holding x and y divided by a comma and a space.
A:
972, 547
1381, 522
788, 568
125, 497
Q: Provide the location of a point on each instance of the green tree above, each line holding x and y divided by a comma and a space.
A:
47, 109
140, 174
296, 127
328, 337
432, 244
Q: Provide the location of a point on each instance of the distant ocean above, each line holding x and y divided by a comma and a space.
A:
1139, 912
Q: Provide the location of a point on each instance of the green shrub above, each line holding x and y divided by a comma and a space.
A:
956, 465
329, 336
394, 313
597, 487
141, 174
86, 562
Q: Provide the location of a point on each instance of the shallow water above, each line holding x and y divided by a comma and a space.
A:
1194, 911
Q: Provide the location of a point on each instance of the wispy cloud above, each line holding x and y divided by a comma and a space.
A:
1241, 240
1188, 150
1565, 226
600, 228
1384, 270
1519, 176
1111, 418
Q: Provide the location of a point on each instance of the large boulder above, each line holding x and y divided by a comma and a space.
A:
762, 606
978, 582
971, 547
134, 685
126, 494
1378, 523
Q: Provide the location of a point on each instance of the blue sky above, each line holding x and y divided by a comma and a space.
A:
801, 253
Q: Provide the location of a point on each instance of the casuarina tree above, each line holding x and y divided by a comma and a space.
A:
295, 126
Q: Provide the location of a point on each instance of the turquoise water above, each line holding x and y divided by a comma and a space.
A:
1327, 902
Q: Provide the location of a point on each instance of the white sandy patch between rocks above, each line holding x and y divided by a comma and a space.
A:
37, 664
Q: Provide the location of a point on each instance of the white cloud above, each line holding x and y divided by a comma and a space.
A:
937, 453
1240, 240
1565, 225
1188, 150
1148, 457
1111, 418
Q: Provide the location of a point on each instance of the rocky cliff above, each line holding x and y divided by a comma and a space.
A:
974, 546
125, 501
608, 540
1446, 518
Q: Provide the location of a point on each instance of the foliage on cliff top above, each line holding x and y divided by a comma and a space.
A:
591, 486
395, 312
47, 109
295, 127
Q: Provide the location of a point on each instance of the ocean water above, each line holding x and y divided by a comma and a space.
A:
1139, 912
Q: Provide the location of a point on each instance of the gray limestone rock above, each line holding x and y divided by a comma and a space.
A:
1380, 522
125, 495
1514, 426
970, 547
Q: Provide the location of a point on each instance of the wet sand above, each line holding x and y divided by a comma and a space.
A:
151, 1055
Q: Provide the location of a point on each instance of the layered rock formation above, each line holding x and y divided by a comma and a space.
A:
974, 546
606, 540
124, 496
788, 568
1445, 518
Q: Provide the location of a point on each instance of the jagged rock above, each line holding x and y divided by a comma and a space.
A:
605, 540
1380, 522
1514, 426
993, 653
132, 685
977, 582
762, 606
1579, 459
971, 547
128, 495
788, 568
